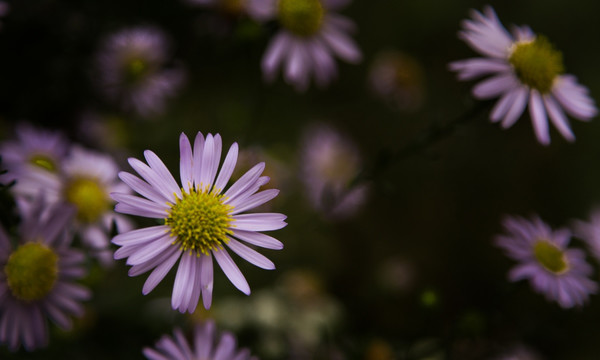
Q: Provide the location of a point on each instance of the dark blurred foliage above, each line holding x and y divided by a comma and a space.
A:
415, 270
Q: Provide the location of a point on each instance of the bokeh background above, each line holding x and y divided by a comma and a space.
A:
413, 273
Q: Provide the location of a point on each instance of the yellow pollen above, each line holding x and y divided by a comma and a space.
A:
43, 161
550, 257
536, 63
88, 196
301, 17
31, 271
200, 222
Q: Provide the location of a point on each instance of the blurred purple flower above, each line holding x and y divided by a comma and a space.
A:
590, 232
85, 180
34, 150
312, 33
4, 10
330, 162
206, 345
132, 73
525, 68
199, 220
37, 281
559, 273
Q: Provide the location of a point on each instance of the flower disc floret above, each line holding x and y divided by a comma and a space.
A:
537, 63
550, 257
31, 271
43, 161
301, 17
88, 196
135, 70
200, 221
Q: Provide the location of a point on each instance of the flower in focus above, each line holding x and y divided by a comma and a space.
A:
397, 79
37, 277
206, 345
312, 32
200, 219
131, 70
590, 232
35, 150
559, 273
330, 162
525, 69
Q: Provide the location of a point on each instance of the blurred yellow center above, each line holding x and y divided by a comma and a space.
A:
31, 271
43, 161
550, 257
536, 63
301, 17
88, 196
135, 70
200, 222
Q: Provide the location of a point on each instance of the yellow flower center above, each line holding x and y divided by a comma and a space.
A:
550, 257
301, 17
536, 63
31, 271
43, 161
200, 222
135, 70
88, 196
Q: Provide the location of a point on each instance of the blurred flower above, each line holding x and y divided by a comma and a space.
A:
106, 131
590, 232
398, 79
312, 32
89, 179
132, 73
199, 220
38, 276
559, 273
525, 68
330, 162
205, 346
295, 320
34, 150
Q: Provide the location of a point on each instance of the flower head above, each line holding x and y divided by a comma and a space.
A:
206, 345
560, 273
201, 220
311, 34
525, 69
330, 161
131, 66
35, 149
37, 277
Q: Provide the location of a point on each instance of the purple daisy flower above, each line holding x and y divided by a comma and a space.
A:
38, 277
34, 149
204, 340
559, 273
200, 220
312, 32
330, 161
525, 69
132, 71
